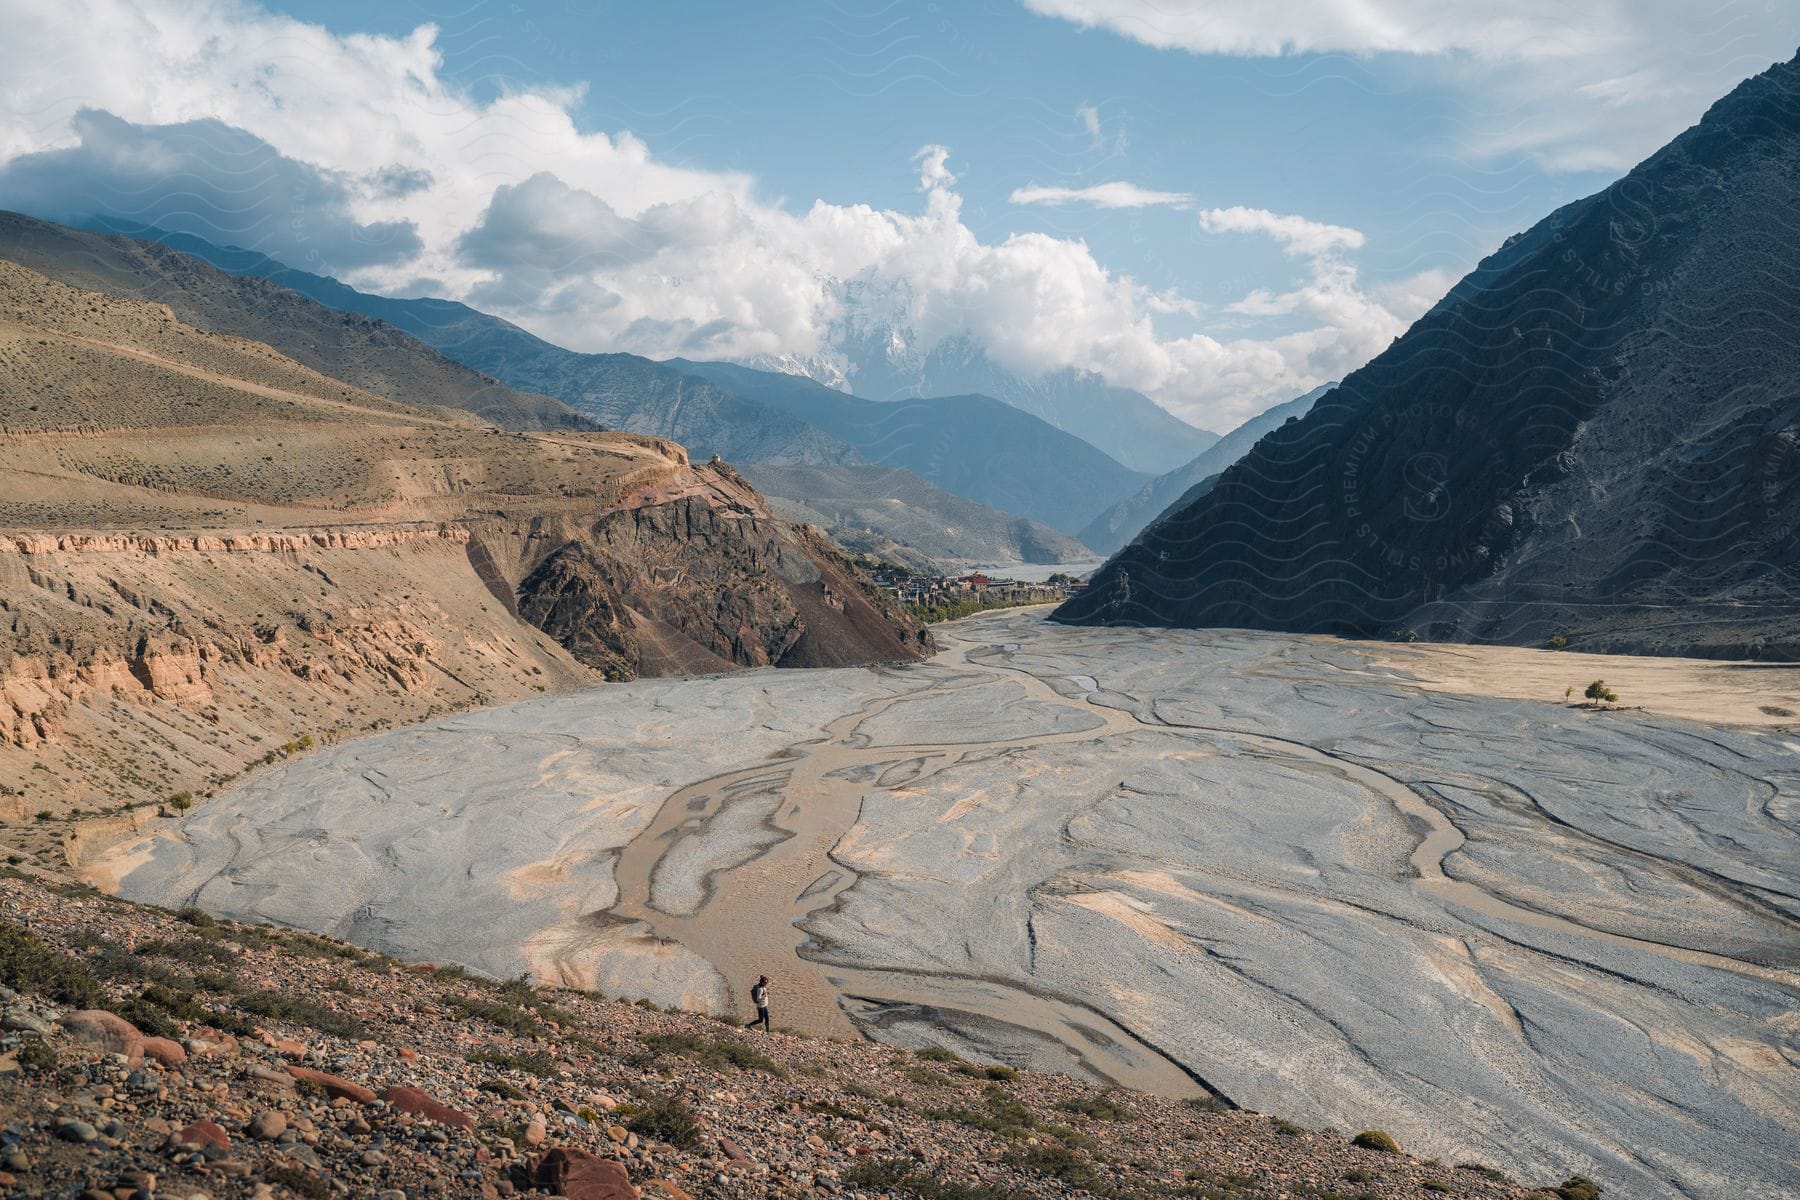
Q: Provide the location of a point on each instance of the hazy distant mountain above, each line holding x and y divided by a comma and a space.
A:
887, 511
1120, 523
1596, 433
974, 446
882, 362
368, 353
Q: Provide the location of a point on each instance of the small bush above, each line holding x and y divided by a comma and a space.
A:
281, 1006
28, 964
502, 1089
1557, 641
1579, 1187
667, 1119
1486, 1172
1101, 1108
532, 1063
1207, 1104
938, 1054
181, 801
198, 918
717, 1053
1286, 1128
927, 1076
194, 951
1056, 1162
507, 1016
1375, 1139
35, 1054
1599, 692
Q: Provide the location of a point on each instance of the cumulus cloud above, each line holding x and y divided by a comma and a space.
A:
1295, 235
217, 118
1118, 194
1596, 85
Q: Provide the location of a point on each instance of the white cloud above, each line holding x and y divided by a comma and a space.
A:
584, 237
932, 171
1595, 85
1101, 195
1089, 116
1296, 235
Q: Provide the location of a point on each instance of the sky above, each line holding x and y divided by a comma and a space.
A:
1218, 204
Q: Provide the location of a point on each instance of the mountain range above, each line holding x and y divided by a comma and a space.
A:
1180, 487
888, 361
975, 447
1594, 437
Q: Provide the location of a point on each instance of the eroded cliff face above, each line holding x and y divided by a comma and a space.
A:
212, 558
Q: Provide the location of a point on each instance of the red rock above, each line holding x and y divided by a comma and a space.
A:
733, 1151
290, 1049
671, 1189
7, 1179
164, 1051
408, 1055
335, 1086
109, 1031
566, 1171
412, 1100
204, 1133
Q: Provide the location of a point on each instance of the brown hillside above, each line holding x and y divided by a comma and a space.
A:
209, 551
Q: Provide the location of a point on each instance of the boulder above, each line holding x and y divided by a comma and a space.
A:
412, 1100
566, 1171
267, 1126
168, 1053
202, 1134
108, 1031
335, 1086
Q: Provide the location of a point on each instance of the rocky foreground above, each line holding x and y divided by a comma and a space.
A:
148, 1053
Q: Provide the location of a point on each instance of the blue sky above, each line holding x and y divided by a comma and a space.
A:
1219, 204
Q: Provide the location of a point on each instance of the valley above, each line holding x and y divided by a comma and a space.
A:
1328, 880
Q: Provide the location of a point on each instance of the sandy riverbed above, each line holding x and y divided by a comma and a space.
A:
1309, 874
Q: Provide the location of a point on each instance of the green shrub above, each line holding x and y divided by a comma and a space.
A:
938, 1054
28, 964
1375, 1139
1286, 1128
1486, 1172
194, 951
1207, 1103
1557, 641
198, 918
666, 1118
507, 1016
999, 1073
502, 1089
927, 1076
532, 1062
1598, 691
1059, 1163
717, 1053
1579, 1187
282, 1006
1101, 1108
181, 801
35, 1054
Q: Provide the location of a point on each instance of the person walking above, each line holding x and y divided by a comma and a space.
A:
759, 996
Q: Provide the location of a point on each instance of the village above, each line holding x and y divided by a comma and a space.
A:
933, 598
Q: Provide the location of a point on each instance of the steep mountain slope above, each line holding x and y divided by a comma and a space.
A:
889, 512
207, 547
620, 391
974, 446
368, 354
1597, 434
1120, 523
884, 363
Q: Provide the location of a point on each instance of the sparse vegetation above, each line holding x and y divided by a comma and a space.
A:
531, 1062
282, 1006
1376, 1139
665, 1118
1578, 1187
28, 965
1100, 1108
1058, 1163
898, 1176
1557, 642
717, 1053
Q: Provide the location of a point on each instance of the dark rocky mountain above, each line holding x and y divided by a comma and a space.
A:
891, 513
1121, 522
366, 352
974, 446
1595, 434
885, 364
